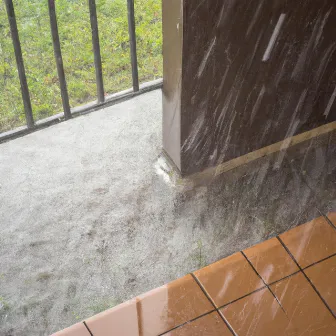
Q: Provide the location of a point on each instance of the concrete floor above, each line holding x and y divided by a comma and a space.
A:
87, 222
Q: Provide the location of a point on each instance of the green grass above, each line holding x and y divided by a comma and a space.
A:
75, 36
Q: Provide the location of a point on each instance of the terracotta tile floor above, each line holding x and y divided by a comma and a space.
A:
283, 286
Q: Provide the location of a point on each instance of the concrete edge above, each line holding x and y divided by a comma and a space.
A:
81, 110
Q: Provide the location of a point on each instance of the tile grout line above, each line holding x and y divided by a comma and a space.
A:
203, 290
213, 304
317, 262
305, 275
256, 272
183, 324
329, 221
326, 218
90, 332
242, 297
286, 277
258, 290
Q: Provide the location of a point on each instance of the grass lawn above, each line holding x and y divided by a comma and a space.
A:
75, 35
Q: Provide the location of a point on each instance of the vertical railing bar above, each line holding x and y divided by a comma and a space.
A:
96, 51
132, 37
58, 59
20, 65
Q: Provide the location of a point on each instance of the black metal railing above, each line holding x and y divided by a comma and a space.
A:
31, 124
19, 63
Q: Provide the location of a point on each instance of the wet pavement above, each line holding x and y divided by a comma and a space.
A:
87, 221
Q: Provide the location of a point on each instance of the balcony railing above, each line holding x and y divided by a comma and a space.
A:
102, 98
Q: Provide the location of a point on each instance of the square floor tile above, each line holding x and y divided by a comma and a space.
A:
257, 314
77, 329
323, 276
171, 305
271, 260
208, 325
311, 242
332, 217
154, 312
303, 307
229, 279
121, 320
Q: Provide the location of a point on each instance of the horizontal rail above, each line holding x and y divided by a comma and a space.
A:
84, 109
